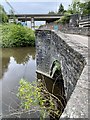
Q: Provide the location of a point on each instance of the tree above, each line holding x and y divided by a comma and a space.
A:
3, 15
74, 7
79, 7
85, 8
51, 12
61, 9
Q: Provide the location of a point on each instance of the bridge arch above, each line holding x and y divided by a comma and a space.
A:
56, 74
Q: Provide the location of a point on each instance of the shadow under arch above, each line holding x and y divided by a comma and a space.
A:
55, 85
56, 74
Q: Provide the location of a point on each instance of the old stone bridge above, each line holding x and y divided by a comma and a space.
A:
72, 53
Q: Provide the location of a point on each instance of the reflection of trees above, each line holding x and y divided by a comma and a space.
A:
21, 55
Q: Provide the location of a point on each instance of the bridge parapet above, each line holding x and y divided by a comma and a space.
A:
85, 17
51, 46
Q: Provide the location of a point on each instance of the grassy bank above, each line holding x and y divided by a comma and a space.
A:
16, 36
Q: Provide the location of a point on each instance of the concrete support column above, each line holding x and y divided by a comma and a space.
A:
32, 23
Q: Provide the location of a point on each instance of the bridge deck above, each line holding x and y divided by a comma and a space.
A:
37, 17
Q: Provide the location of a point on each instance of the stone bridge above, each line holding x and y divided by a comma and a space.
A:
72, 53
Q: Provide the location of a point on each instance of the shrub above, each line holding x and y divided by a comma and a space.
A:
64, 19
36, 94
16, 36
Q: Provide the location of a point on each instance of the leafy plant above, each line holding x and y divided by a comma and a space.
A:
16, 36
61, 9
64, 19
3, 15
35, 94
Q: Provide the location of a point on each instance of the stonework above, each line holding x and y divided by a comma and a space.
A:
68, 29
51, 46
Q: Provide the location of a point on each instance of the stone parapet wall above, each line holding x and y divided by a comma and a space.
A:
77, 30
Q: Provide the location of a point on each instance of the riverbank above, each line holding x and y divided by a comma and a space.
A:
13, 35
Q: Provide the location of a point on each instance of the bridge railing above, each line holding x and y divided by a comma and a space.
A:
86, 17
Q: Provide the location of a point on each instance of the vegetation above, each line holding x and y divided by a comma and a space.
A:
13, 35
3, 15
61, 9
35, 94
76, 7
51, 13
64, 19
16, 36
79, 7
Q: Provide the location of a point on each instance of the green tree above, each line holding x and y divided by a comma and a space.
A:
51, 12
61, 9
85, 8
79, 7
3, 15
74, 7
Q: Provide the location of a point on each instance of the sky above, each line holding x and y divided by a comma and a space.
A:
35, 6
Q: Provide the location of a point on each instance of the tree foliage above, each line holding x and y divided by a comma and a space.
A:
51, 13
76, 7
79, 7
85, 8
3, 15
61, 9
16, 36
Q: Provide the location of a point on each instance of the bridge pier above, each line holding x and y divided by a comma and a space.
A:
32, 23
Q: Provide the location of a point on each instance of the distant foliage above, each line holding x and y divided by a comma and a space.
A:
16, 36
51, 13
3, 15
79, 7
76, 7
61, 9
85, 8
64, 19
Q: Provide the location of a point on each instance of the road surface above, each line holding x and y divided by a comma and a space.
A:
79, 38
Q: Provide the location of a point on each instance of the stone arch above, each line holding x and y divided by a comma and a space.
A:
56, 74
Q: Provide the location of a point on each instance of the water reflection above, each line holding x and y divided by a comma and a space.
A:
21, 55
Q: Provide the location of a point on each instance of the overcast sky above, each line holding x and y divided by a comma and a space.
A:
35, 6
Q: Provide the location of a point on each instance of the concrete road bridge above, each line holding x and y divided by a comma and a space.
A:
36, 17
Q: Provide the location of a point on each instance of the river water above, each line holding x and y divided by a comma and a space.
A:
17, 63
